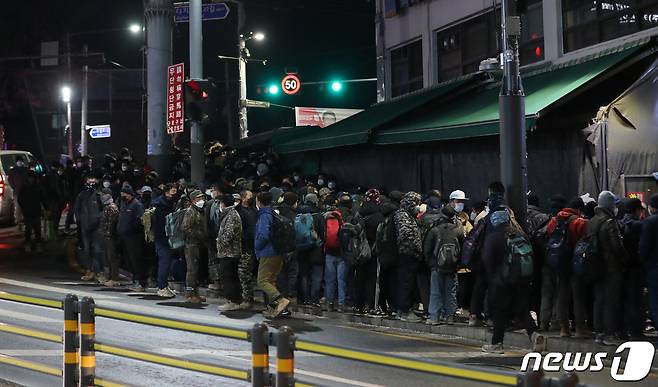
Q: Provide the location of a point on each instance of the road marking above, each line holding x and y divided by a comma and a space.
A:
335, 379
31, 352
220, 353
54, 289
27, 317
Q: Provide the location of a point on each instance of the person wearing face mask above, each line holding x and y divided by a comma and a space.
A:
213, 215
321, 181
195, 231
648, 253
129, 230
164, 205
17, 176
87, 210
607, 286
229, 251
410, 252
457, 200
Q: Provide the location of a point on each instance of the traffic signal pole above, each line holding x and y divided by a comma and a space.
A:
196, 72
511, 101
242, 106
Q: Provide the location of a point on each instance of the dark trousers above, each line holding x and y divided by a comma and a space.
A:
133, 249
311, 272
112, 258
229, 277
423, 284
607, 304
165, 259
579, 302
633, 286
32, 226
388, 287
479, 293
364, 284
465, 283
289, 275
550, 288
92, 250
511, 303
652, 285
407, 269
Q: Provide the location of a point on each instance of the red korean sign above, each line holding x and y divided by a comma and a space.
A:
175, 99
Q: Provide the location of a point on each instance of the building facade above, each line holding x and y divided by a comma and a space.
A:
421, 43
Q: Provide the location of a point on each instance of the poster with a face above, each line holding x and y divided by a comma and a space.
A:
322, 117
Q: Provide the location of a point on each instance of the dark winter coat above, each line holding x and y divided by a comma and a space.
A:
371, 213
631, 229
536, 220
163, 207
432, 237
229, 238
31, 198
248, 217
610, 240
130, 218
87, 210
408, 233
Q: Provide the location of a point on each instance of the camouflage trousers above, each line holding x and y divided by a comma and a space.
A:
213, 265
246, 275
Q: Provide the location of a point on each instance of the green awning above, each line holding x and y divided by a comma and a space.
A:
476, 114
356, 129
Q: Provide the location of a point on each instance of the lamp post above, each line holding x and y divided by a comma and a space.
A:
66, 98
243, 56
134, 29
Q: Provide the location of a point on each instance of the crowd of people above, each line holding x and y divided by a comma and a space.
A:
579, 266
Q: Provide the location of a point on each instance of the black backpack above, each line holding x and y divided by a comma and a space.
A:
282, 234
446, 250
472, 244
587, 260
386, 243
558, 250
354, 244
518, 264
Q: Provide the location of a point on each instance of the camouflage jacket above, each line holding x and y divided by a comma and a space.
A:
408, 233
109, 219
194, 226
229, 238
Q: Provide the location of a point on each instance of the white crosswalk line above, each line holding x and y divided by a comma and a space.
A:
31, 352
28, 317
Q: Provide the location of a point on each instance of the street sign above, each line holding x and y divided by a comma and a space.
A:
175, 105
99, 131
216, 11
254, 103
290, 84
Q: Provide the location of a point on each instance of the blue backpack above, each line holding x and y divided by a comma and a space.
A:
306, 237
558, 250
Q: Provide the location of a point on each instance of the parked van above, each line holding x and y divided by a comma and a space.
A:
7, 162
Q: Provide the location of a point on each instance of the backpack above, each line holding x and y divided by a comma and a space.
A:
174, 230
354, 244
282, 234
558, 250
386, 243
473, 243
214, 218
446, 249
518, 264
306, 237
147, 222
332, 230
587, 260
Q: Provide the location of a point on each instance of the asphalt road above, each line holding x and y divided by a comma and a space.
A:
46, 275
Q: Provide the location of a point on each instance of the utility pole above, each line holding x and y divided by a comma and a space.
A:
196, 72
513, 154
159, 16
242, 101
69, 132
83, 109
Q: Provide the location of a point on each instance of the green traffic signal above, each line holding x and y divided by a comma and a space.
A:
336, 86
273, 89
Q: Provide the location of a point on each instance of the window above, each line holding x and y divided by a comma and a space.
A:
588, 22
407, 68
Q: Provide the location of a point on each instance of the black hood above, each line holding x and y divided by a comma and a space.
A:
388, 208
369, 208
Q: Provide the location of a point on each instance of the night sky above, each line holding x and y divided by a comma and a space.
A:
321, 40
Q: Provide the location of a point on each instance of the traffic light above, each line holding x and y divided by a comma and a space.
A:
196, 100
273, 89
336, 86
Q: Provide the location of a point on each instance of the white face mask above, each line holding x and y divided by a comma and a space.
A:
331, 185
106, 184
295, 178
473, 215
320, 182
459, 207
616, 211
200, 203
124, 168
209, 193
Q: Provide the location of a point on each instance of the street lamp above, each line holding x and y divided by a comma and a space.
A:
135, 28
243, 54
66, 98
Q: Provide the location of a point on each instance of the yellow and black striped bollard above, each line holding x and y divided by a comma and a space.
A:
285, 357
260, 373
70, 367
87, 339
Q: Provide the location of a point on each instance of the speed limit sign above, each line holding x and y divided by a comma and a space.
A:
290, 84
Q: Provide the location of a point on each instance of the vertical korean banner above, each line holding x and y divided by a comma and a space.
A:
175, 101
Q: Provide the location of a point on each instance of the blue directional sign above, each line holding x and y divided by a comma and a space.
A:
99, 131
215, 11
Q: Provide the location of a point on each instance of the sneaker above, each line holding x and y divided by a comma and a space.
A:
293, 301
431, 321
411, 317
281, 305
245, 305
493, 348
268, 313
230, 307
166, 293
538, 342
112, 284
329, 307
89, 276
101, 278
598, 339
194, 299
473, 321
136, 287
610, 341
214, 286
